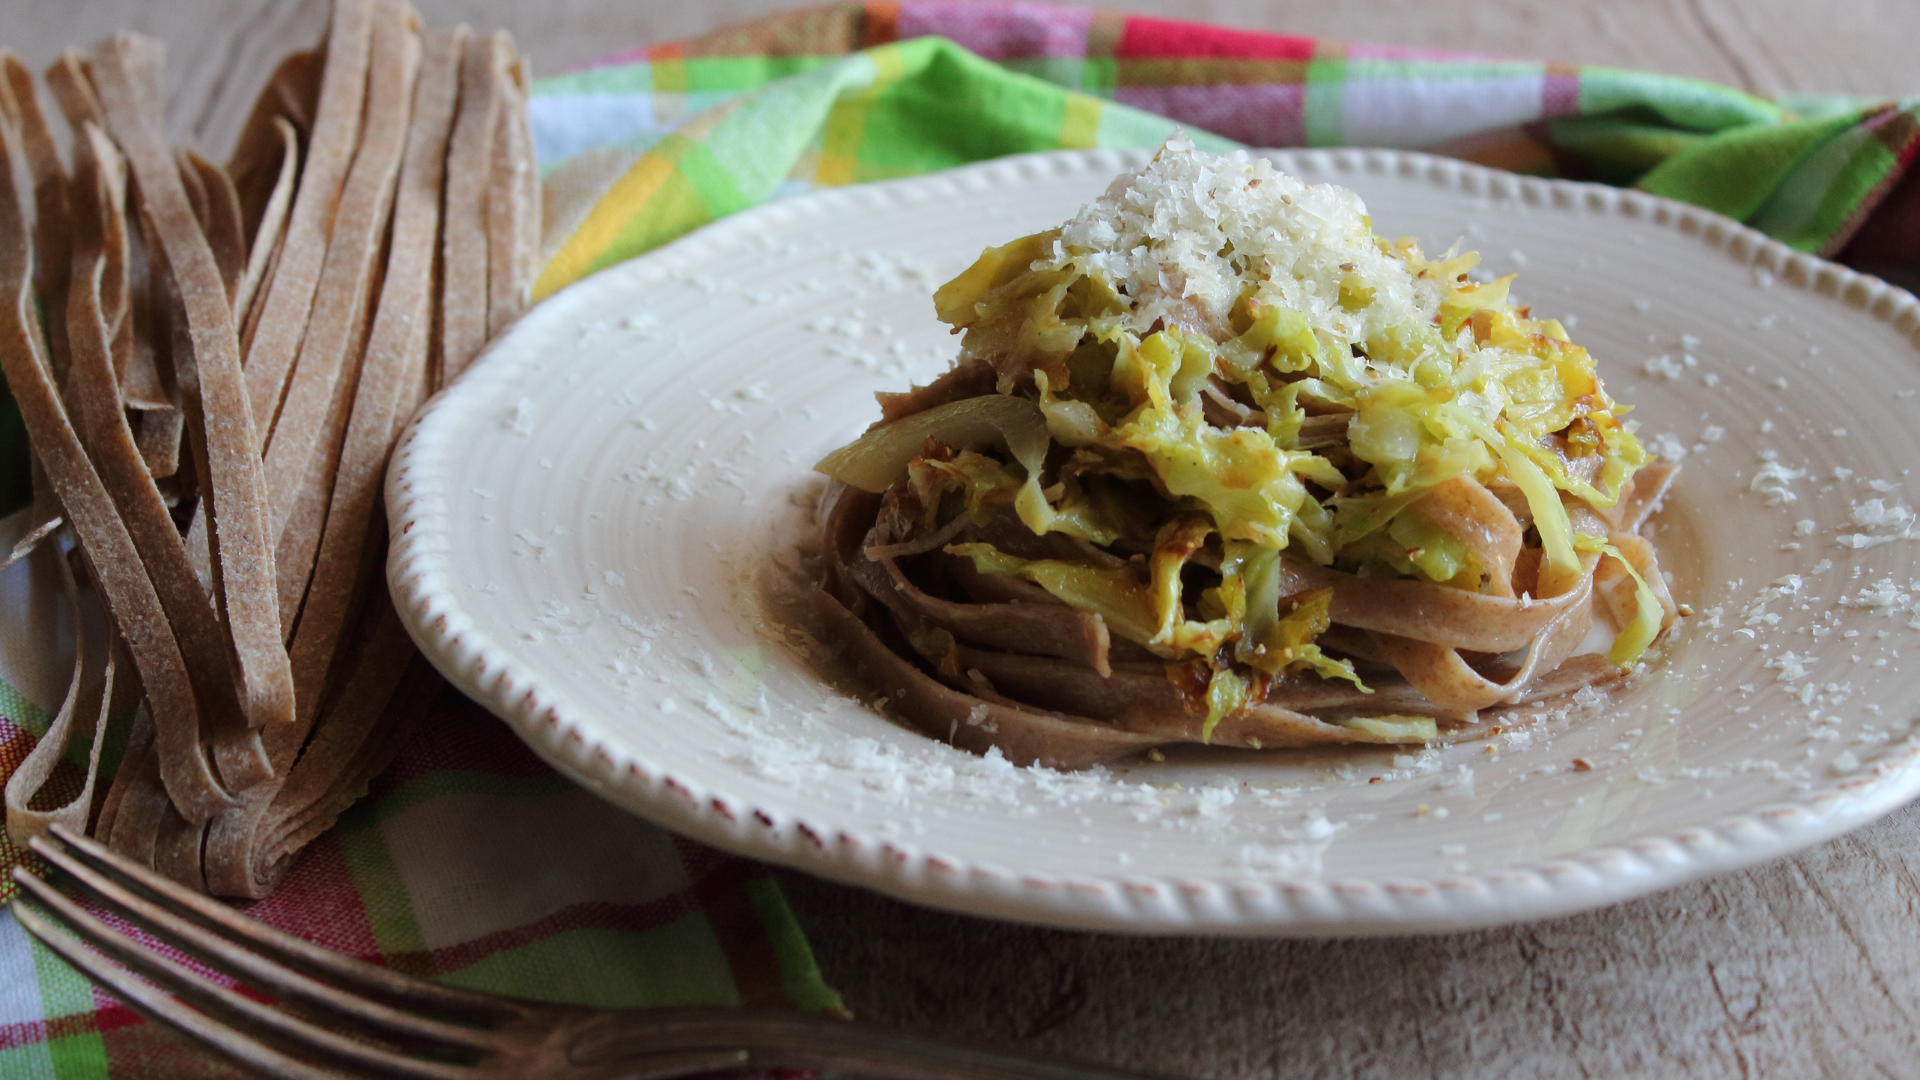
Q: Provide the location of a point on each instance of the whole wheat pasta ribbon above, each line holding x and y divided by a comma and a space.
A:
330, 147
394, 359
225, 231
244, 851
286, 103
970, 721
20, 108
1463, 508
270, 230
50, 242
304, 448
513, 207
1424, 612
88, 699
129, 594
110, 442
464, 295
1440, 673
315, 256
126, 74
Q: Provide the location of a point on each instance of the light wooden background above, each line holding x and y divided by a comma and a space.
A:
1805, 967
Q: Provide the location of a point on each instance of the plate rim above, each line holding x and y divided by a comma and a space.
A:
1222, 904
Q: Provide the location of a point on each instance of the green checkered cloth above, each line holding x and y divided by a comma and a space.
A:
647, 147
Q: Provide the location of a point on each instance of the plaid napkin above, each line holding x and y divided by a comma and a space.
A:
473, 863
646, 147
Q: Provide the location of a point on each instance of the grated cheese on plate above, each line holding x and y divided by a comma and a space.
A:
1179, 235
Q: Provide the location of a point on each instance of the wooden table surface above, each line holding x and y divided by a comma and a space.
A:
1808, 966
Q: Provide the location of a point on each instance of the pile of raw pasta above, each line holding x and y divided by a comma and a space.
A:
213, 365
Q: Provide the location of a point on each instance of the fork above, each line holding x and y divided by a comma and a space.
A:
341, 1017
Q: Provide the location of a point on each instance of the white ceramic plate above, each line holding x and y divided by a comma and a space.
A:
587, 523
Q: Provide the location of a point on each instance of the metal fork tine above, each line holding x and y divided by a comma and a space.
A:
343, 971
239, 960
671, 1066
210, 1002
155, 1005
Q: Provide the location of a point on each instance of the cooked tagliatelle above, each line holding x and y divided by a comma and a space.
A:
1217, 464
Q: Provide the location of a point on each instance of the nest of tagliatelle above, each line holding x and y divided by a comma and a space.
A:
1216, 464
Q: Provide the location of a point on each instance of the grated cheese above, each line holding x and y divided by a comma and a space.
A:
1772, 481
1172, 234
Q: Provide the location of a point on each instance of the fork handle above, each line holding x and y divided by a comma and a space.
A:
629, 1043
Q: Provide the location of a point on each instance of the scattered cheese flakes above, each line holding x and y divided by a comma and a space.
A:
1662, 366
1790, 666
1771, 482
520, 420
1882, 513
1668, 445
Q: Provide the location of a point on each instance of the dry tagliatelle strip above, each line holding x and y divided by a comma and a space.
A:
530, 206
464, 295
392, 365
241, 858
299, 818
214, 395
238, 751
383, 692
138, 799
222, 223
336, 131
19, 107
509, 208
267, 248
110, 443
139, 742
326, 100
122, 578
163, 342
314, 248
50, 243
270, 229
305, 444
89, 695
248, 847
73, 91
138, 367
259, 158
